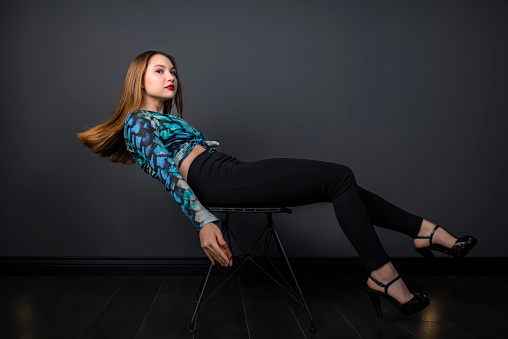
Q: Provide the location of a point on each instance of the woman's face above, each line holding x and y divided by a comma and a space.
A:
159, 82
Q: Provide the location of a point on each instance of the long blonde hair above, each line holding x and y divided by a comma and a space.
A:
107, 139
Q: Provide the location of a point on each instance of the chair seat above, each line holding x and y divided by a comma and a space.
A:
251, 209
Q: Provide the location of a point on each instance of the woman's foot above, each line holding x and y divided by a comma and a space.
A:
442, 241
384, 282
386, 273
440, 237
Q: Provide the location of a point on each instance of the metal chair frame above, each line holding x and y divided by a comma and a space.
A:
262, 244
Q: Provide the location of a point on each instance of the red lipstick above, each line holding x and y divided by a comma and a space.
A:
170, 87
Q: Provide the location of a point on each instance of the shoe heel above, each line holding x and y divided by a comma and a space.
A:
376, 302
427, 254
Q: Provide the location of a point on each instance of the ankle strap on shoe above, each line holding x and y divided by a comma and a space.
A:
428, 236
380, 284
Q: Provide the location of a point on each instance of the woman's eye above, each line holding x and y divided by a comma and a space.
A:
160, 71
173, 72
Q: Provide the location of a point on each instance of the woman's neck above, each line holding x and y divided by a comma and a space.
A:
152, 106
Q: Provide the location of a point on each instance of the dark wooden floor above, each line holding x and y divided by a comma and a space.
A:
246, 307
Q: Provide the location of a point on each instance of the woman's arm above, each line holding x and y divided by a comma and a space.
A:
145, 145
143, 142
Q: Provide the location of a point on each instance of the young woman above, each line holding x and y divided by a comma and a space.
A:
142, 130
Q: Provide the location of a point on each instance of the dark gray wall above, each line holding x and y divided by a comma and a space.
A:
410, 94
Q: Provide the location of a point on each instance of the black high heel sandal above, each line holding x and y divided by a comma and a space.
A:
416, 304
461, 247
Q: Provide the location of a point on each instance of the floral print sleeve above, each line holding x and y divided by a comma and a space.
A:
145, 145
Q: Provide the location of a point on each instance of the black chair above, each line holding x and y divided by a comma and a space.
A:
255, 255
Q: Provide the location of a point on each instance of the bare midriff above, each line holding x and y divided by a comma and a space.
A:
184, 166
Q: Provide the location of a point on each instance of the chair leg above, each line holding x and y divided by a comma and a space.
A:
202, 288
225, 230
283, 254
198, 303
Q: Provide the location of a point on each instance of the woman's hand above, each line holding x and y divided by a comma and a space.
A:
214, 245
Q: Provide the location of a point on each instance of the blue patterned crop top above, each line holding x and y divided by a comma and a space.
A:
159, 143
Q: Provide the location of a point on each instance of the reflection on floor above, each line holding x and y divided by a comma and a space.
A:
245, 307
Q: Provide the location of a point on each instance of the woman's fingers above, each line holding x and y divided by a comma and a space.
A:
220, 255
215, 253
223, 246
227, 251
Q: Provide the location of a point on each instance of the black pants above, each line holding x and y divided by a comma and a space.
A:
221, 180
